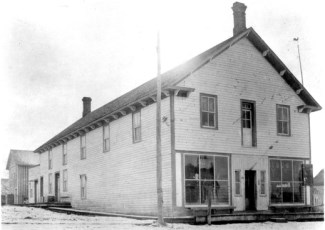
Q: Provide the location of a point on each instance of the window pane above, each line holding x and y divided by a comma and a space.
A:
211, 120
221, 164
237, 176
191, 167
298, 192
221, 192
276, 195
263, 176
237, 189
287, 190
275, 170
263, 189
286, 170
279, 126
207, 169
205, 119
106, 144
137, 134
211, 104
136, 119
204, 104
205, 187
279, 113
106, 131
297, 170
285, 114
192, 192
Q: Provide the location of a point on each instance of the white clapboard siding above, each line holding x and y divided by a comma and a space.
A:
122, 180
241, 72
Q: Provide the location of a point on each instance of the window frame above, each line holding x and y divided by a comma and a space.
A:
50, 158
263, 182
83, 152
281, 181
105, 148
64, 153
289, 120
237, 182
253, 114
65, 180
215, 98
134, 128
202, 180
83, 193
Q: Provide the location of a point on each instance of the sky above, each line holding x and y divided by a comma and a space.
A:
53, 53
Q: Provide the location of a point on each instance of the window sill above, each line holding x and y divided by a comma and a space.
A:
238, 195
208, 127
134, 142
283, 135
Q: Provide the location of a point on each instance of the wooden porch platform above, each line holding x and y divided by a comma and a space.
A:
242, 217
236, 217
48, 205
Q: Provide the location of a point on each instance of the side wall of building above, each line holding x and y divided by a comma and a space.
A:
122, 180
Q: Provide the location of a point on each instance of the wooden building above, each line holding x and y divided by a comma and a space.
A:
19, 161
235, 121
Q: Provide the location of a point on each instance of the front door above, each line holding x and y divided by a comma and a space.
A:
250, 189
35, 190
57, 186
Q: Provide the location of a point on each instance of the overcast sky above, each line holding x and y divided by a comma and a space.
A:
53, 53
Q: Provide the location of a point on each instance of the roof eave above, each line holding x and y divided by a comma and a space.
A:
282, 69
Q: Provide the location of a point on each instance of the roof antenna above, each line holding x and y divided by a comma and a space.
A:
302, 78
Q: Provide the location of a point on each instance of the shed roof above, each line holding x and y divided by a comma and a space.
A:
174, 76
22, 157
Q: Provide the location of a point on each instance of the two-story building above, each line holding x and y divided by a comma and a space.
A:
235, 121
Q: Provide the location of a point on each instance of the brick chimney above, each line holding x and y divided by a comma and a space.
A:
239, 17
86, 106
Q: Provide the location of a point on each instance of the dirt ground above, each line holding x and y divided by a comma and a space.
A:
25, 218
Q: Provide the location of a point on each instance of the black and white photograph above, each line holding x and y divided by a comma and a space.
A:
162, 114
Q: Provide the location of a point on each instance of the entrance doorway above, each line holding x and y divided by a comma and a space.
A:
35, 191
41, 190
250, 190
57, 187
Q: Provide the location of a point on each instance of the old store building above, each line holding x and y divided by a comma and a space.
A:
234, 120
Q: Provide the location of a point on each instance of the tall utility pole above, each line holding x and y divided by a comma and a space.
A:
302, 78
158, 135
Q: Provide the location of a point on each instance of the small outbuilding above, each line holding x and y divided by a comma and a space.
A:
19, 161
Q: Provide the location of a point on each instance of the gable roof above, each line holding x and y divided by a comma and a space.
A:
22, 157
170, 79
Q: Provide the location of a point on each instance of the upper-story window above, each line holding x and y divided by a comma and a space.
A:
136, 126
283, 120
83, 147
248, 128
208, 111
64, 154
50, 159
106, 138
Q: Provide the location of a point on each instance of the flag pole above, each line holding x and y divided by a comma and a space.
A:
302, 78
158, 139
